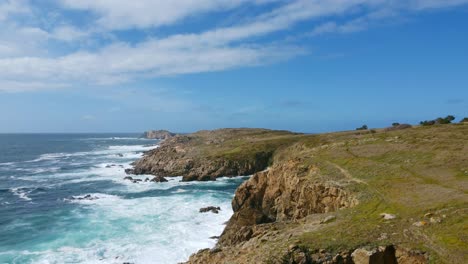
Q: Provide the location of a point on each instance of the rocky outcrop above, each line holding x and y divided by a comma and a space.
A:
178, 157
284, 192
158, 134
212, 209
159, 179
398, 127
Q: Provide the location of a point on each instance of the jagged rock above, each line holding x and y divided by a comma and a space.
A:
130, 171
381, 255
158, 179
212, 209
180, 155
281, 194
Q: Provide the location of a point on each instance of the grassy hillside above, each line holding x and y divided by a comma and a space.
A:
419, 175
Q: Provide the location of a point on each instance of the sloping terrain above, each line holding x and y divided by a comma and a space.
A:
351, 197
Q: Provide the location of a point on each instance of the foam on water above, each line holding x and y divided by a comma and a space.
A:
118, 220
22, 193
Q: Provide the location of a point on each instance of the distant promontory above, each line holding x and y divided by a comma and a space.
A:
158, 134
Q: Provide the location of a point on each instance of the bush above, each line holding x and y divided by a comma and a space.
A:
364, 127
438, 121
395, 124
464, 120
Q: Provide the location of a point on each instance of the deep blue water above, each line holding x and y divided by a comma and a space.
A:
42, 219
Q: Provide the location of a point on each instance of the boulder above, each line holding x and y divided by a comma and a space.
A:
381, 255
128, 178
129, 171
158, 179
388, 216
212, 209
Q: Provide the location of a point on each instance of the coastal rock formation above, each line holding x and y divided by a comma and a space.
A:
158, 179
284, 192
212, 209
207, 155
158, 134
351, 198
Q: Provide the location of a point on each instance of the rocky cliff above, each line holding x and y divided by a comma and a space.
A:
206, 155
158, 134
394, 196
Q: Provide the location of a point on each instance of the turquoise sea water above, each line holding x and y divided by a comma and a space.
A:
42, 219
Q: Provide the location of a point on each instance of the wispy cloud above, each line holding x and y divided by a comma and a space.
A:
26, 48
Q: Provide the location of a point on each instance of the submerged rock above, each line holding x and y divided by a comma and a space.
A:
212, 209
86, 197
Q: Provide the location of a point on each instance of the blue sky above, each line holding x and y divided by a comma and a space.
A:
303, 65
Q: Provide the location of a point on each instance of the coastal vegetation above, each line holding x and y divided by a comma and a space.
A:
398, 194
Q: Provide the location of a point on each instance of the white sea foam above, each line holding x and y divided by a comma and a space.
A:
22, 193
115, 228
154, 230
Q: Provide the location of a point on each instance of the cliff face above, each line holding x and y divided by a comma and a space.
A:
287, 191
158, 134
207, 155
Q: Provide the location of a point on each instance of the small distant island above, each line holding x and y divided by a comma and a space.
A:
158, 134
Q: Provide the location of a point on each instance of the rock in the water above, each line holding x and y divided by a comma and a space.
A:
158, 179
129, 171
86, 197
128, 178
136, 180
119, 155
147, 180
212, 209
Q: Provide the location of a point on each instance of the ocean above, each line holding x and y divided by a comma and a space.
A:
63, 199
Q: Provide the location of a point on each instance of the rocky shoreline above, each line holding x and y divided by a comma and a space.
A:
319, 198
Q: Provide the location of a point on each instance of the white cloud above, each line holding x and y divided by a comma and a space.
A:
123, 14
26, 65
68, 33
11, 7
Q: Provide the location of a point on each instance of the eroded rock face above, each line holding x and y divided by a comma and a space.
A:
176, 157
285, 192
